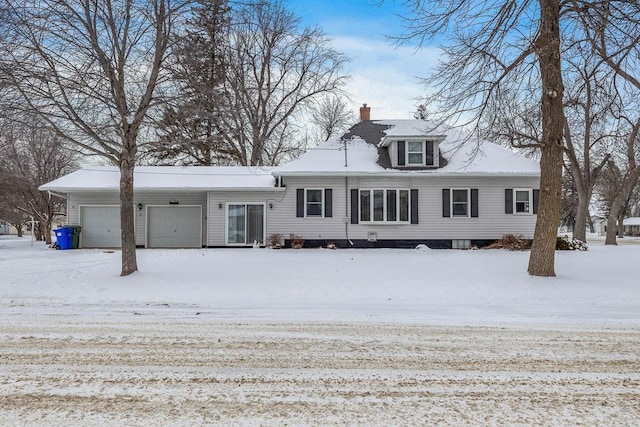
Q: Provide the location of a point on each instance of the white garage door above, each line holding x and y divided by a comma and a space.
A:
174, 226
100, 226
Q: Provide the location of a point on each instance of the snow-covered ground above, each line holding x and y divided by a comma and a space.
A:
483, 287
318, 337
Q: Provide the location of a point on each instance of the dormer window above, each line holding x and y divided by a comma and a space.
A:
416, 153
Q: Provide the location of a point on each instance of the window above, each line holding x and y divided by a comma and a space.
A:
313, 202
384, 206
522, 201
460, 202
416, 153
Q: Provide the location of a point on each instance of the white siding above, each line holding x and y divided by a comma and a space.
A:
492, 222
218, 200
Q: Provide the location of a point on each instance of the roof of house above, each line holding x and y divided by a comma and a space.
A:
634, 220
365, 153
189, 178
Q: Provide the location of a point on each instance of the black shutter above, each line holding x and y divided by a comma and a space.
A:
354, 206
536, 197
474, 203
508, 201
414, 206
430, 152
300, 202
328, 203
446, 202
401, 155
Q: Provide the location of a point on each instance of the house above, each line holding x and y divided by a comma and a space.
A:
5, 227
631, 226
387, 183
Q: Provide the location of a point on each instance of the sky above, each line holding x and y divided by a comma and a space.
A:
384, 76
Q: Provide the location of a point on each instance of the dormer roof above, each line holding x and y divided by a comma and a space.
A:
366, 153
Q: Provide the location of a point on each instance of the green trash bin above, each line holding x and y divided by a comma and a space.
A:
76, 236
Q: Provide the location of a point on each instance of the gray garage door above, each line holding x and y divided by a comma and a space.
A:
100, 226
174, 226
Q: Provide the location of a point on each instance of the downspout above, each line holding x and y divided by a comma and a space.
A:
346, 210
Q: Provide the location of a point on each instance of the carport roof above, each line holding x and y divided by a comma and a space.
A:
157, 178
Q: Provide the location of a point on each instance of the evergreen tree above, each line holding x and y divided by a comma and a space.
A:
193, 128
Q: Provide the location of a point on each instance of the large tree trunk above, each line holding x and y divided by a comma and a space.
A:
582, 213
46, 231
129, 261
621, 226
542, 257
612, 224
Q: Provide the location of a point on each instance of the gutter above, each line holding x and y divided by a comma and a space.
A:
55, 193
408, 174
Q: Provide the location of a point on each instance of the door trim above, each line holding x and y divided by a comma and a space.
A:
226, 222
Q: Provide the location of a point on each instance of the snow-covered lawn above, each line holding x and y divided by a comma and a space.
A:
483, 287
318, 337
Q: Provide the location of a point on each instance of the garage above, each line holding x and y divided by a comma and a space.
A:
100, 226
174, 226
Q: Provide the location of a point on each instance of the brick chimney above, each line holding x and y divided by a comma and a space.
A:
365, 113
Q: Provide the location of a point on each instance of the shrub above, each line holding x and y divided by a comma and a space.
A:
275, 240
297, 242
566, 243
511, 242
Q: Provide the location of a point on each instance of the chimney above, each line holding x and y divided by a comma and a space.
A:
365, 113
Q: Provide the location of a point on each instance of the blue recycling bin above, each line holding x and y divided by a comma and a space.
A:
64, 237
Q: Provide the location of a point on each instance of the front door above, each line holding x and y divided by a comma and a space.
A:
245, 224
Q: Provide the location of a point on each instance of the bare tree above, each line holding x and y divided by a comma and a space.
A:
32, 156
11, 215
331, 116
588, 118
495, 48
609, 188
613, 29
275, 70
91, 69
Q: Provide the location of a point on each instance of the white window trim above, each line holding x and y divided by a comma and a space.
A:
528, 190
436, 156
422, 153
384, 206
468, 190
321, 203
226, 221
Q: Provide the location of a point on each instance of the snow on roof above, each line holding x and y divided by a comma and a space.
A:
413, 127
634, 220
167, 177
464, 155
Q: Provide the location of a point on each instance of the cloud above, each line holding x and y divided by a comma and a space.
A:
386, 77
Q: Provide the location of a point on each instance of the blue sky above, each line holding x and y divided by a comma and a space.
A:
383, 75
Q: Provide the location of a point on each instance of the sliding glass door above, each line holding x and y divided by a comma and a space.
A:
245, 224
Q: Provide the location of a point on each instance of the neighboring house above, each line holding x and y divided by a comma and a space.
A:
631, 226
5, 227
388, 183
